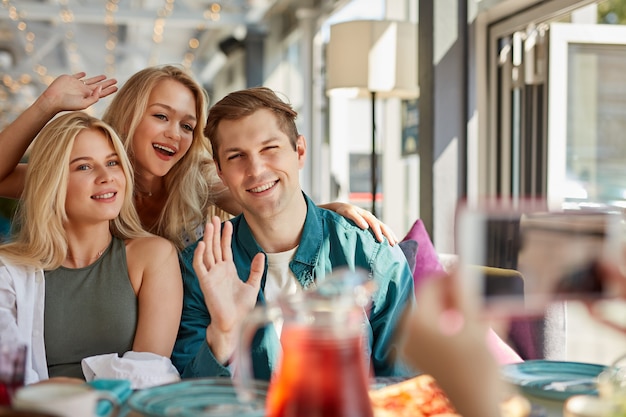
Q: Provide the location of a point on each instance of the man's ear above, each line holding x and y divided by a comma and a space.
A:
219, 172
218, 169
301, 150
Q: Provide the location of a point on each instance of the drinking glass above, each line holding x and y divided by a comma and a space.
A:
12, 368
612, 386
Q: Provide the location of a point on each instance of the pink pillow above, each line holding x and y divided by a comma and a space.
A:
427, 265
426, 260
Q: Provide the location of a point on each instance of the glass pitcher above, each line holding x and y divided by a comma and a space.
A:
323, 367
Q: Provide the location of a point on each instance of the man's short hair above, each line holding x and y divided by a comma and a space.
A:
242, 103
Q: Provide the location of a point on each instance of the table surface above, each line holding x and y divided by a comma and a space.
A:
541, 408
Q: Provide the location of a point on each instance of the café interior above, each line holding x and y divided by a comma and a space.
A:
412, 109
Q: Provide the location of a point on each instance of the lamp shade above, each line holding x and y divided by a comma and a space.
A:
365, 56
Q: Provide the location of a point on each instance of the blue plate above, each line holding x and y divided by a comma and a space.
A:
214, 397
554, 380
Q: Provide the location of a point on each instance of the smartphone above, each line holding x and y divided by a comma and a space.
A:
514, 261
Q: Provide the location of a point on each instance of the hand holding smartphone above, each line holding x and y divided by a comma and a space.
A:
515, 261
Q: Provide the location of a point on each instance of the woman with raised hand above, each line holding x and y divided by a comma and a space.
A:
82, 278
66, 92
160, 114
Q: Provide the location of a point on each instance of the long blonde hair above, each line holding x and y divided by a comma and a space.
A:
188, 183
41, 240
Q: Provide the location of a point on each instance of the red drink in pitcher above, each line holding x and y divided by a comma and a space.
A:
320, 375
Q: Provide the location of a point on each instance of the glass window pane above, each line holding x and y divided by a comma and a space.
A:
596, 124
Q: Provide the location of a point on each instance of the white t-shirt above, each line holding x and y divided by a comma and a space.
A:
280, 280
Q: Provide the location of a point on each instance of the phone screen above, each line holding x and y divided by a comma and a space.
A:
515, 262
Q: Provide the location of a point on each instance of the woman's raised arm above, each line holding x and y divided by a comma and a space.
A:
67, 92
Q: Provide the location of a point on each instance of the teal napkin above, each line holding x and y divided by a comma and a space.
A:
119, 388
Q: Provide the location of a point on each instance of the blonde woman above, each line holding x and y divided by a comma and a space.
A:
82, 278
160, 114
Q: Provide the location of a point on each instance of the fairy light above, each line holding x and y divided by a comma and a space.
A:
159, 29
213, 12
25, 79
111, 42
12, 86
210, 14
71, 47
17, 17
12, 89
192, 46
19, 91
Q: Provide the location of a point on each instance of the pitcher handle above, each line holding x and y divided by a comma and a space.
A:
243, 378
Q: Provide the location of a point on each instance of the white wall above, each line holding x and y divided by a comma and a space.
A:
350, 132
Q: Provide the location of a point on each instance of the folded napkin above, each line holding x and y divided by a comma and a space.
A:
142, 369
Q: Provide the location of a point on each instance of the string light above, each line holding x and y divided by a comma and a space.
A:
110, 44
159, 28
213, 12
18, 18
13, 86
71, 47
210, 14
16, 93
192, 46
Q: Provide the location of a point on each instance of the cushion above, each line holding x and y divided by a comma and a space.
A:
427, 265
426, 259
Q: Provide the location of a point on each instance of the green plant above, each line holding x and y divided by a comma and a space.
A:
612, 12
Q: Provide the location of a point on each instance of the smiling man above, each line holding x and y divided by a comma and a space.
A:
281, 244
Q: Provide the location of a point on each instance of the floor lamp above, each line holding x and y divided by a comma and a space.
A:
375, 59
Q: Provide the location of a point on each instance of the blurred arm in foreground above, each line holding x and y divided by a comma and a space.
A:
444, 338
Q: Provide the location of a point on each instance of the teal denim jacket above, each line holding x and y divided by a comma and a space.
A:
328, 241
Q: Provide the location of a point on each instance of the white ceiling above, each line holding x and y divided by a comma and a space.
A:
41, 39
72, 34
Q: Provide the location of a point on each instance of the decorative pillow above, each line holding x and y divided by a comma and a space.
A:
427, 265
426, 259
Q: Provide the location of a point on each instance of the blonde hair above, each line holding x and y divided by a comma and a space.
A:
41, 239
188, 183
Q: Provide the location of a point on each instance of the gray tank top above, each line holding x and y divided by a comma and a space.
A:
89, 311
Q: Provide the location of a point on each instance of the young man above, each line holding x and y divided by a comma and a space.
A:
281, 243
